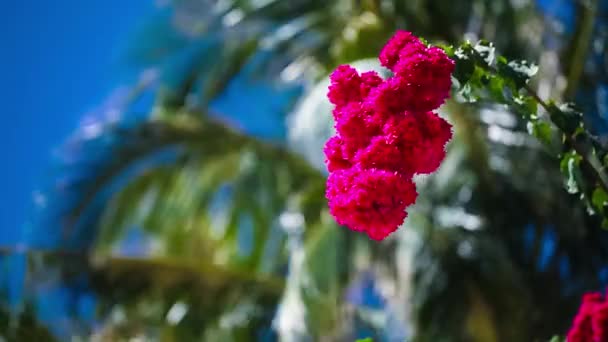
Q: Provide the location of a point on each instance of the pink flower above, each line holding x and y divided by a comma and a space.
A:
599, 322
382, 154
345, 86
370, 200
591, 321
421, 83
386, 133
422, 136
356, 126
413, 143
390, 54
428, 73
369, 81
334, 157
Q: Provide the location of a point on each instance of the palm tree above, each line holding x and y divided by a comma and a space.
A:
185, 227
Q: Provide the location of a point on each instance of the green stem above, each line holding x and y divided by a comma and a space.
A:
582, 149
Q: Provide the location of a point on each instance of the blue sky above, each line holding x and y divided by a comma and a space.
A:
59, 60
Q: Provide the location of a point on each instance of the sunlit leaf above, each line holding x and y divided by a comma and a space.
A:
541, 130
518, 71
569, 166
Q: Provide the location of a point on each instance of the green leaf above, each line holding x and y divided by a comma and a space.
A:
465, 64
526, 106
469, 91
486, 51
447, 48
569, 166
369, 339
467, 94
519, 71
599, 199
541, 130
322, 294
566, 117
496, 88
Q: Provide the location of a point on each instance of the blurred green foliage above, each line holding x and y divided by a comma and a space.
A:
240, 241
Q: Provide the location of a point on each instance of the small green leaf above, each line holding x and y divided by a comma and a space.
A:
497, 88
566, 117
599, 199
541, 130
526, 106
466, 94
369, 339
519, 71
569, 166
448, 49
465, 51
465, 66
557, 339
485, 51
480, 77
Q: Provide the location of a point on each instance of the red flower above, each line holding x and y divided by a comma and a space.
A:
370, 200
424, 135
369, 81
357, 126
421, 83
591, 321
386, 133
334, 157
410, 144
345, 86
390, 54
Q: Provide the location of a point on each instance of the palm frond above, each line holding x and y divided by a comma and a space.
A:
202, 194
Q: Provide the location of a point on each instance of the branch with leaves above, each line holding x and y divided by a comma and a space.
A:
484, 76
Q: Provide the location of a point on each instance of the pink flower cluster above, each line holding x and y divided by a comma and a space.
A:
386, 133
591, 321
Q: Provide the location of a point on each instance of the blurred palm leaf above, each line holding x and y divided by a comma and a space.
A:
23, 327
202, 45
211, 198
215, 206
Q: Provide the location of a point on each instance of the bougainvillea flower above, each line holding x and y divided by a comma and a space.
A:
370, 200
386, 134
591, 321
